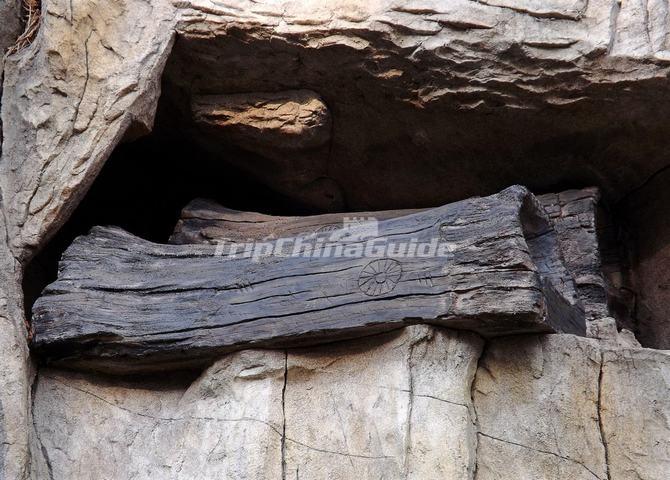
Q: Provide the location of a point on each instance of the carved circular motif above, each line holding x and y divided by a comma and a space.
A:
379, 277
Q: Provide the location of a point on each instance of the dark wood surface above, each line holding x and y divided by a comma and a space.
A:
122, 304
203, 221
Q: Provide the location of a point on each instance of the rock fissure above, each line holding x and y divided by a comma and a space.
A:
600, 417
410, 407
43, 450
283, 412
87, 77
472, 412
551, 14
546, 452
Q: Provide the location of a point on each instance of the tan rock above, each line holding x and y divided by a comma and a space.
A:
16, 371
393, 406
288, 134
635, 412
537, 403
262, 122
94, 71
228, 424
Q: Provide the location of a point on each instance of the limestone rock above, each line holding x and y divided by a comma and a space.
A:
10, 29
605, 329
228, 424
94, 71
10, 12
635, 413
415, 403
291, 120
15, 381
15, 372
289, 130
538, 417
390, 407
387, 406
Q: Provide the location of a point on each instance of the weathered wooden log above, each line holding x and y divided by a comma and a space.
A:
573, 214
203, 221
122, 304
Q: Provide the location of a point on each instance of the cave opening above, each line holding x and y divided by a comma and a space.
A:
382, 153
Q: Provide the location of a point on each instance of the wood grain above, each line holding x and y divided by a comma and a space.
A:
122, 304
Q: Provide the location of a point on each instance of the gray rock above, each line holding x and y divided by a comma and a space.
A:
227, 424
16, 371
537, 401
415, 403
391, 406
635, 413
10, 29
289, 130
3, 441
394, 406
94, 71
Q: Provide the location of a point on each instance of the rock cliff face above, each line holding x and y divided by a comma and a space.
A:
420, 403
349, 105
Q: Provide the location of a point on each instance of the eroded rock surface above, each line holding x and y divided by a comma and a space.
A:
91, 77
455, 86
358, 407
227, 424
391, 407
292, 120
10, 12
538, 418
420, 403
635, 413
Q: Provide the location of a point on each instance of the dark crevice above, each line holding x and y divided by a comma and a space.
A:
474, 418
645, 183
600, 419
283, 412
43, 450
31, 16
